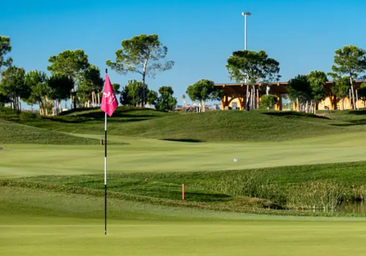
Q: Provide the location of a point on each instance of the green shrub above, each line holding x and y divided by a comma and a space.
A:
27, 116
268, 101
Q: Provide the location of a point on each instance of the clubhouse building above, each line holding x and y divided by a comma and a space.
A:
235, 95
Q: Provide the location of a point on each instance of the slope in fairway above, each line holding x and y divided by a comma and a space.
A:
209, 126
12, 133
143, 155
33, 222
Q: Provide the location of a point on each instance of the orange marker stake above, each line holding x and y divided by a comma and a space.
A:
183, 191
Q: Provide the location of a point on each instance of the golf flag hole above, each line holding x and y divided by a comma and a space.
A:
109, 105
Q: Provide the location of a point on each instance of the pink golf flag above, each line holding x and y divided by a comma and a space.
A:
109, 100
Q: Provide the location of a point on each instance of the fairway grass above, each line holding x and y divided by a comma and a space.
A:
34, 222
147, 155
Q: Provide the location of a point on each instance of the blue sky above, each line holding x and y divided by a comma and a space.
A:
200, 35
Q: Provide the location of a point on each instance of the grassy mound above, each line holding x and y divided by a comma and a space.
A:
233, 126
194, 127
86, 121
120, 112
12, 133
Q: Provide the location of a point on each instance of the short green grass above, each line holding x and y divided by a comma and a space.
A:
145, 155
33, 222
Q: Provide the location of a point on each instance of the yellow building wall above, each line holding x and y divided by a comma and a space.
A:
344, 104
325, 104
341, 104
360, 104
235, 101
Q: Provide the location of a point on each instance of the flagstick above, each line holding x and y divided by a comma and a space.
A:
105, 175
109, 104
105, 172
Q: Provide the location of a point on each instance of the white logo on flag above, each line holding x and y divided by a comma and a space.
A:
110, 98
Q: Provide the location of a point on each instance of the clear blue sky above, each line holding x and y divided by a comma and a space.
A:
200, 35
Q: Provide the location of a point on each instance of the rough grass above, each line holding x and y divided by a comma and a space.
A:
225, 190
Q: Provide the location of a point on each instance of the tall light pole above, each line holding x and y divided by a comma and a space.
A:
245, 14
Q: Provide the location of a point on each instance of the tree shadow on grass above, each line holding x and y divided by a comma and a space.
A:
358, 112
203, 197
70, 111
141, 109
188, 196
352, 123
85, 120
294, 114
100, 115
119, 112
65, 120
125, 120
184, 140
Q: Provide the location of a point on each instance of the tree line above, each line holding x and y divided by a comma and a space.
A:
73, 77
310, 89
307, 90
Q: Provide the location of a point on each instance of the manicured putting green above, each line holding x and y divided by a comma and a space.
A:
186, 238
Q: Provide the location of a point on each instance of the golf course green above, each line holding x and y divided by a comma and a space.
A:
51, 189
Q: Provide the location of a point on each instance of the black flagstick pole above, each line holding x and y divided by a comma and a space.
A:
105, 171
